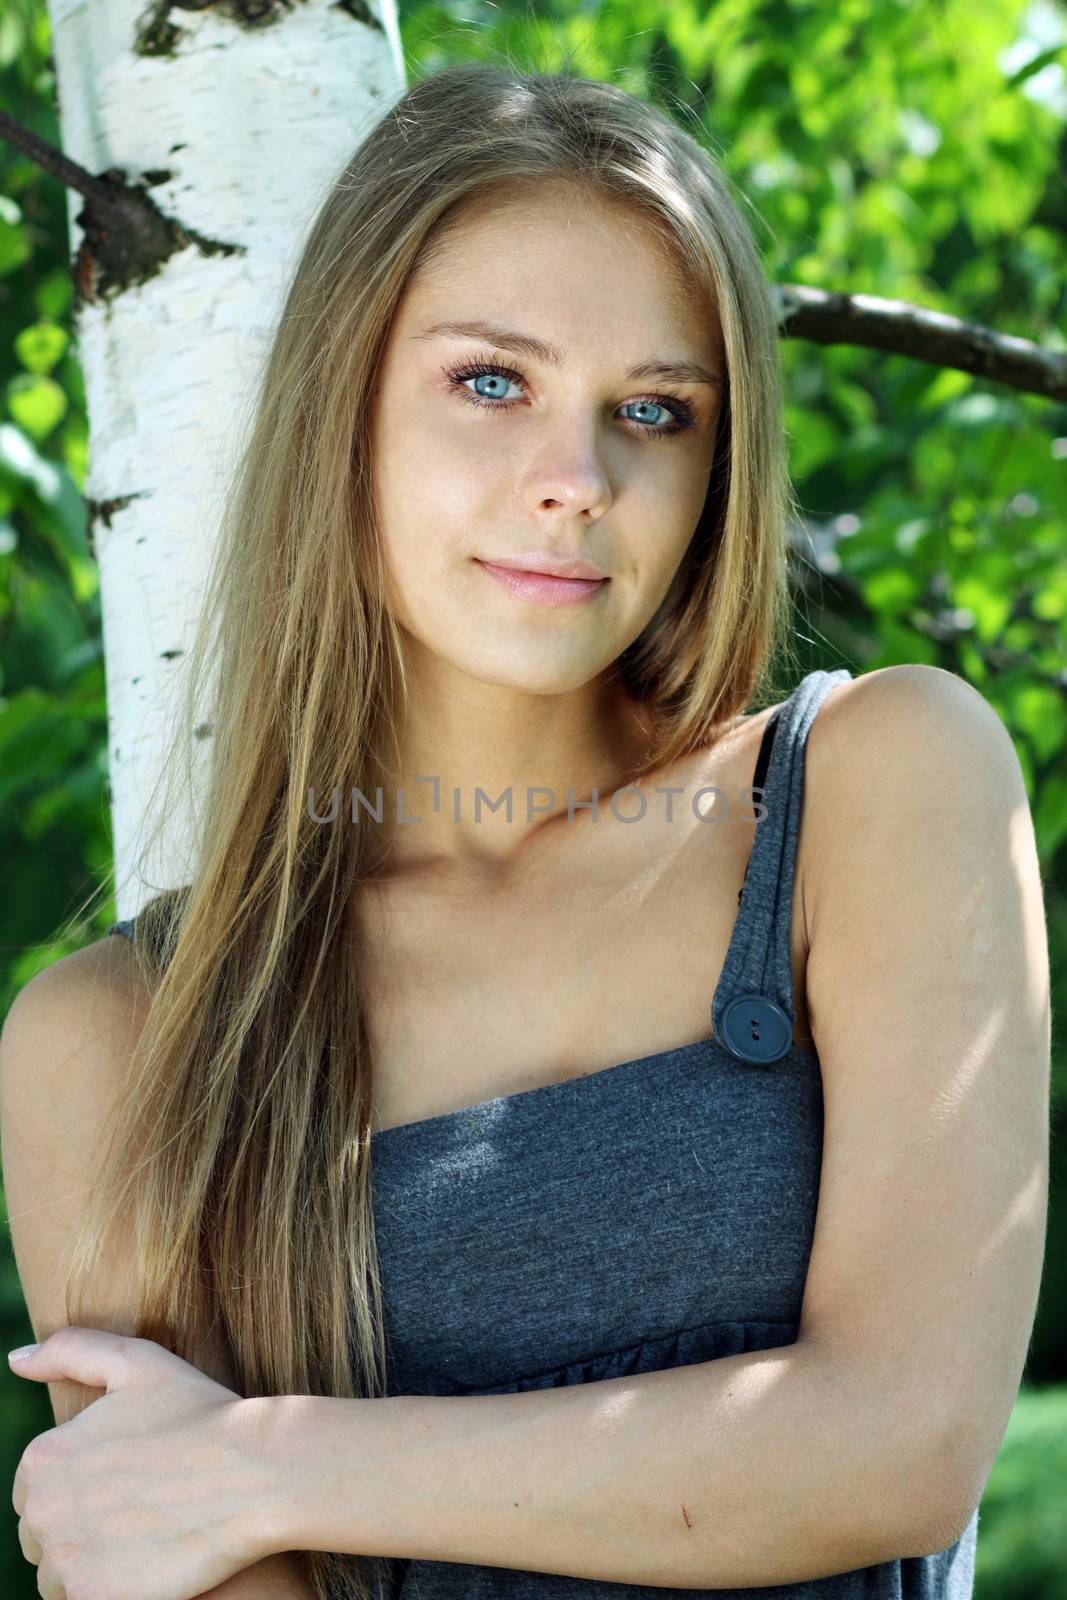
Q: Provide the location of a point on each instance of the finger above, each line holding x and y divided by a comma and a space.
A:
48, 1587
30, 1548
18, 1491
94, 1357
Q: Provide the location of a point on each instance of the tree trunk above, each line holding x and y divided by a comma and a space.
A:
231, 131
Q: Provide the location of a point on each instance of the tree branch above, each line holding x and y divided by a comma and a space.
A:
827, 317
126, 236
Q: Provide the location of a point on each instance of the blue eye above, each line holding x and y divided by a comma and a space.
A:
497, 377
658, 405
683, 413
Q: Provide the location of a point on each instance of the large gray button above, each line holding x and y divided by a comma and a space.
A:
755, 1028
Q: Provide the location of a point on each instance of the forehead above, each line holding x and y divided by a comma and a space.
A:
581, 271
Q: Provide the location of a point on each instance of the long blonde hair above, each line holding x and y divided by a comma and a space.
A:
247, 1101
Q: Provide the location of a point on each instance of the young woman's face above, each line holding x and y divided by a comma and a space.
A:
572, 457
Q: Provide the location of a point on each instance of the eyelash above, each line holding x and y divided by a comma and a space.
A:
683, 413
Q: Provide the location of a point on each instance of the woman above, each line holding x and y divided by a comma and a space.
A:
509, 1110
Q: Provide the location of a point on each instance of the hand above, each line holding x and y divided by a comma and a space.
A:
155, 1491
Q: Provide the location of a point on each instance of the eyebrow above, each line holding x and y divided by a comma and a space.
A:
671, 368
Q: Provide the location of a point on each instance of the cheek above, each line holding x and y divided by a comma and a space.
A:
432, 465
671, 510
428, 586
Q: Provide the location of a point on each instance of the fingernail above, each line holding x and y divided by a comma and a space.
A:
22, 1352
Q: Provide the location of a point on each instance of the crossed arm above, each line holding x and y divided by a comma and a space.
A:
768, 1467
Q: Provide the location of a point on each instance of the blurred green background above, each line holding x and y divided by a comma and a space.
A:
906, 150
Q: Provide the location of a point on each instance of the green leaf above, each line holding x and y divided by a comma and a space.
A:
37, 404
41, 345
1039, 711
14, 248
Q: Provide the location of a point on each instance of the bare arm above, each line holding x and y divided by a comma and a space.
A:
765, 1468
58, 1049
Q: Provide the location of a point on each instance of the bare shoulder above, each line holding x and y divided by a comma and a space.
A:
65, 1040
90, 1001
912, 731
67, 1033
862, 715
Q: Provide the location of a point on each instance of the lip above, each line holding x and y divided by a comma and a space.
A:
542, 587
548, 565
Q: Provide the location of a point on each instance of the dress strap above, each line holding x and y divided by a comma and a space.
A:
752, 1012
124, 927
758, 778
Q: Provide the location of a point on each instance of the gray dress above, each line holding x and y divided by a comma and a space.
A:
649, 1215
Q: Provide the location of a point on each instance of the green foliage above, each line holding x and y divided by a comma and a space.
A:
881, 146
1021, 1553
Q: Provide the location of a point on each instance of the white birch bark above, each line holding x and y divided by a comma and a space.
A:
251, 124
